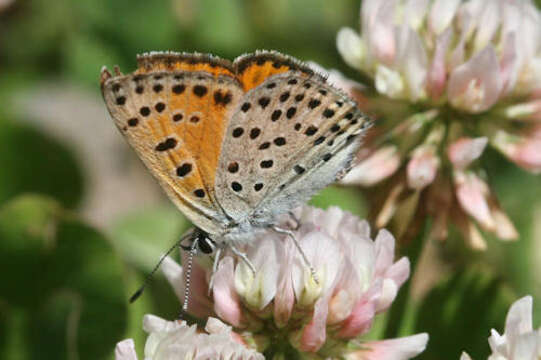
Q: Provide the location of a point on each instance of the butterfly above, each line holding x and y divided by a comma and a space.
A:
234, 144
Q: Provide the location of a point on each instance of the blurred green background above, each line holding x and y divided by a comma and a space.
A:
82, 222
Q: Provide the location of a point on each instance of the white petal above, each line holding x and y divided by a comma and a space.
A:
519, 317
325, 257
389, 291
496, 341
414, 65
488, 24
505, 229
385, 243
465, 356
125, 350
215, 326
389, 82
415, 11
351, 47
441, 15
153, 323
525, 347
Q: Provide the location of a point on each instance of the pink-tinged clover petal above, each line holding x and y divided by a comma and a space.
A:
528, 155
437, 74
384, 251
422, 167
465, 150
226, 300
475, 86
399, 272
285, 296
341, 305
125, 350
378, 166
509, 63
382, 44
360, 320
472, 195
315, 332
525, 151
394, 349
505, 229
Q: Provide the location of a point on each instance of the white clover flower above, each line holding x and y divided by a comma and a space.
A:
519, 340
357, 278
175, 340
449, 77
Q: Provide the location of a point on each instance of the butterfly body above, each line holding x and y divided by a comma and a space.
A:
234, 145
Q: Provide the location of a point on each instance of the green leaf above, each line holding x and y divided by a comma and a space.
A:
347, 198
519, 193
66, 283
33, 162
459, 313
142, 237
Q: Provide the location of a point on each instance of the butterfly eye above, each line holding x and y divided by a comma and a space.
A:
205, 245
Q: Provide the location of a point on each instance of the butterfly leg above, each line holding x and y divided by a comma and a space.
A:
296, 219
243, 256
214, 268
299, 248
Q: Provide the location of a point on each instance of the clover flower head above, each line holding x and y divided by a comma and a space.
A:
448, 78
282, 303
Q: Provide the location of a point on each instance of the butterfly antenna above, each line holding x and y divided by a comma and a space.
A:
148, 279
193, 250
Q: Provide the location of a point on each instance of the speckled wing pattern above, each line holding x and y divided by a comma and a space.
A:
173, 111
230, 141
291, 136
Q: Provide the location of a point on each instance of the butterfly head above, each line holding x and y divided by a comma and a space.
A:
201, 243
